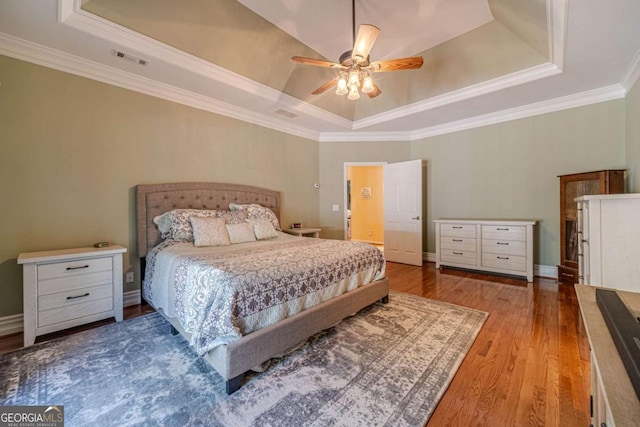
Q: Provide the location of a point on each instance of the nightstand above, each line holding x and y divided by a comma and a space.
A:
304, 232
70, 287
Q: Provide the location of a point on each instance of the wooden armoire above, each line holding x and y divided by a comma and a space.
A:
609, 181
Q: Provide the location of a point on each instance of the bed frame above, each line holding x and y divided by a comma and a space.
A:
234, 359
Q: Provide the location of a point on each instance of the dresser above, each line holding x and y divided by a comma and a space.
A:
70, 287
498, 246
614, 402
609, 237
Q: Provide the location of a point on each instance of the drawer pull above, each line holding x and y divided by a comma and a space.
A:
77, 268
567, 274
502, 243
502, 257
502, 229
457, 253
457, 227
457, 240
79, 296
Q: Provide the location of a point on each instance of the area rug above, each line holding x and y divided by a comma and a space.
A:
388, 365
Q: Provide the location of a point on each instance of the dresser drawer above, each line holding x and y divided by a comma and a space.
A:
504, 232
74, 311
458, 243
77, 281
458, 257
74, 268
458, 230
76, 296
504, 247
506, 262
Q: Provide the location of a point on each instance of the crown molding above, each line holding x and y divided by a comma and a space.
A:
581, 99
62, 61
632, 75
71, 14
557, 24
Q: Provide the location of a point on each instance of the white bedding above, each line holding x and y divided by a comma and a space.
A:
220, 293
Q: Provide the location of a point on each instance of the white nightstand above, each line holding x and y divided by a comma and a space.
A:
70, 287
305, 232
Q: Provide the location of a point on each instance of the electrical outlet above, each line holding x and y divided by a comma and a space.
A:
335, 208
129, 277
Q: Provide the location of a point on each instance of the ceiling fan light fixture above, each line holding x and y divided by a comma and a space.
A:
342, 86
353, 93
354, 77
367, 84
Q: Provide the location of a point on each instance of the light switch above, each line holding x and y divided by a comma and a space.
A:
335, 208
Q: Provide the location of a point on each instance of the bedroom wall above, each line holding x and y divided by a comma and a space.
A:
73, 149
509, 170
633, 138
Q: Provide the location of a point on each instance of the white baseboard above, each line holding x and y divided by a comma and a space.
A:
131, 298
14, 323
429, 256
11, 324
549, 271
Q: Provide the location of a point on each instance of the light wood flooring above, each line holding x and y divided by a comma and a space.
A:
529, 366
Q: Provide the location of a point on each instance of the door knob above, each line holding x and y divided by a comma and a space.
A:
418, 217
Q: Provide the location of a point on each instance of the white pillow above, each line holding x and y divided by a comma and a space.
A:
240, 233
263, 228
208, 231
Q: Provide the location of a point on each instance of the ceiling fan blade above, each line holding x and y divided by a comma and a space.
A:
397, 64
367, 35
375, 92
325, 87
316, 62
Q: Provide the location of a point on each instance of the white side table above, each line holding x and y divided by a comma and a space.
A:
70, 287
304, 232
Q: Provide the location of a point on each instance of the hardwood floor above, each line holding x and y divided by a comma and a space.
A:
529, 366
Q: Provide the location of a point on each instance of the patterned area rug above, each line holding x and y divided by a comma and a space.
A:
389, 365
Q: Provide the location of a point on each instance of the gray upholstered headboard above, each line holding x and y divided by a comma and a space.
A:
155, 199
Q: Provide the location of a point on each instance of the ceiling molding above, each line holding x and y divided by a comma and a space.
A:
632, 75
549, 106
493, 85
62, 61
71, 14
557, 24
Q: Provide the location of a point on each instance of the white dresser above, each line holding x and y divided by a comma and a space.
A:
498, 246
609, 241
70, 287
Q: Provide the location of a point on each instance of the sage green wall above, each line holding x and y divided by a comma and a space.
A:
633, 138
509, 170
73, 149
333, 156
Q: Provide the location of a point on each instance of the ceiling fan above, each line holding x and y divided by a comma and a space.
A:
355, 67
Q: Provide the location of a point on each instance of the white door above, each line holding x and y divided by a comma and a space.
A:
403, 212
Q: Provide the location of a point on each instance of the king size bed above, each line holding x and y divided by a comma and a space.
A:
242, 302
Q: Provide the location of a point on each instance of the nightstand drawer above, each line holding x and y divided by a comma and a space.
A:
62, 284
75, 311
504, 247
74, 268
76, 296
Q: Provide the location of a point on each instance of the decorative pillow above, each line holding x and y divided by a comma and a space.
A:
240, 233
257, 211
263, 228
209, 231
175, 224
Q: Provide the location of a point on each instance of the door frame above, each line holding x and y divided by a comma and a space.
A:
345, 166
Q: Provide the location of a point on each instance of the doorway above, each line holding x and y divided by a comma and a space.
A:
364, 201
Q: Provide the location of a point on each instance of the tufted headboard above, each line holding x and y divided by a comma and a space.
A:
155, 199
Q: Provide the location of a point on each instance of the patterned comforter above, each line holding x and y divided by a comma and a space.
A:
219, 294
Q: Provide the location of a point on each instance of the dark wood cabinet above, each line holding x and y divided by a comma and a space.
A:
575, 185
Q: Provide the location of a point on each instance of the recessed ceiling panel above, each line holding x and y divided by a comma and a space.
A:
407, 27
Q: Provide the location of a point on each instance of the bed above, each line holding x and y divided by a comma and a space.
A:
234, 358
